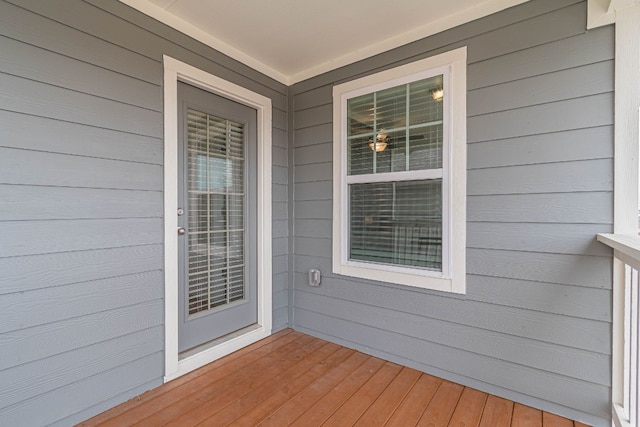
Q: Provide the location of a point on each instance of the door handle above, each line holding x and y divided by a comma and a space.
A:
181, 231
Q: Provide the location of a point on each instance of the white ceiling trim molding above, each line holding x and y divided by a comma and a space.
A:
467, 15
451, 21
191, 30
603, 12
599, 13
621, 4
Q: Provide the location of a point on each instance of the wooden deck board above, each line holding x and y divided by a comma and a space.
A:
525, 416
470, 408
497, 413
550, 420
418, 398
258, 395
330, 402
201, 394
383, 407
241, 383
442, 406
285, 394
116, 414
352, 409
295, 407
294, 379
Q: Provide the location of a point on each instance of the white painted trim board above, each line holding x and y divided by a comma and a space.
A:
478, 11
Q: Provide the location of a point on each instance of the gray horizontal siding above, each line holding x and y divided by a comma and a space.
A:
563, 54
574, 270
535, 237
280, 318
314, 135
77, 299
24, 60
38, 342
318, 153
574, 301
595, 175
280, 156
41, 237
280, 138
26, 202
281, 244
580, 144
110, 383
61, 170
592, 79
572, 332
81, 184
123, 27
89, 411
53, 136
558, 358
45, 375
513, 30
27, 273
31, 97
67, 40
280, 175
534, 325
590, 111
584, 207
313, 209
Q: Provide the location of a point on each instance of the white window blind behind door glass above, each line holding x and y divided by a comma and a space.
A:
216, 204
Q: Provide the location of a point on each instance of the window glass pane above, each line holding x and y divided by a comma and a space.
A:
415, 109
360, 115
360, 156
423, 108
393, 157
425, 147
397, 223
391, 108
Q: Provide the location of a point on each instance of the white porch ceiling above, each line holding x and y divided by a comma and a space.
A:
292, 40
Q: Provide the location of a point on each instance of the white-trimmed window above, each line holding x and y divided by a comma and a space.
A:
399, 172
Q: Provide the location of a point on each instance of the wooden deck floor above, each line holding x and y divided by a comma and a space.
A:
294, 379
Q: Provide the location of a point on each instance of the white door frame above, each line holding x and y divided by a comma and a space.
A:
175, 71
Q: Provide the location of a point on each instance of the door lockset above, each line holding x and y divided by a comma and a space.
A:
180, 211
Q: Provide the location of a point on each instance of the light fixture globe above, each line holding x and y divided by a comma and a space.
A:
437, 94
380, 144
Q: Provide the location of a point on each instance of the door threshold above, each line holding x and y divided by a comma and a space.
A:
216, 342
197, 357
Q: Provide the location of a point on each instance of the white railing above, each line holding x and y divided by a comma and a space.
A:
625, 352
